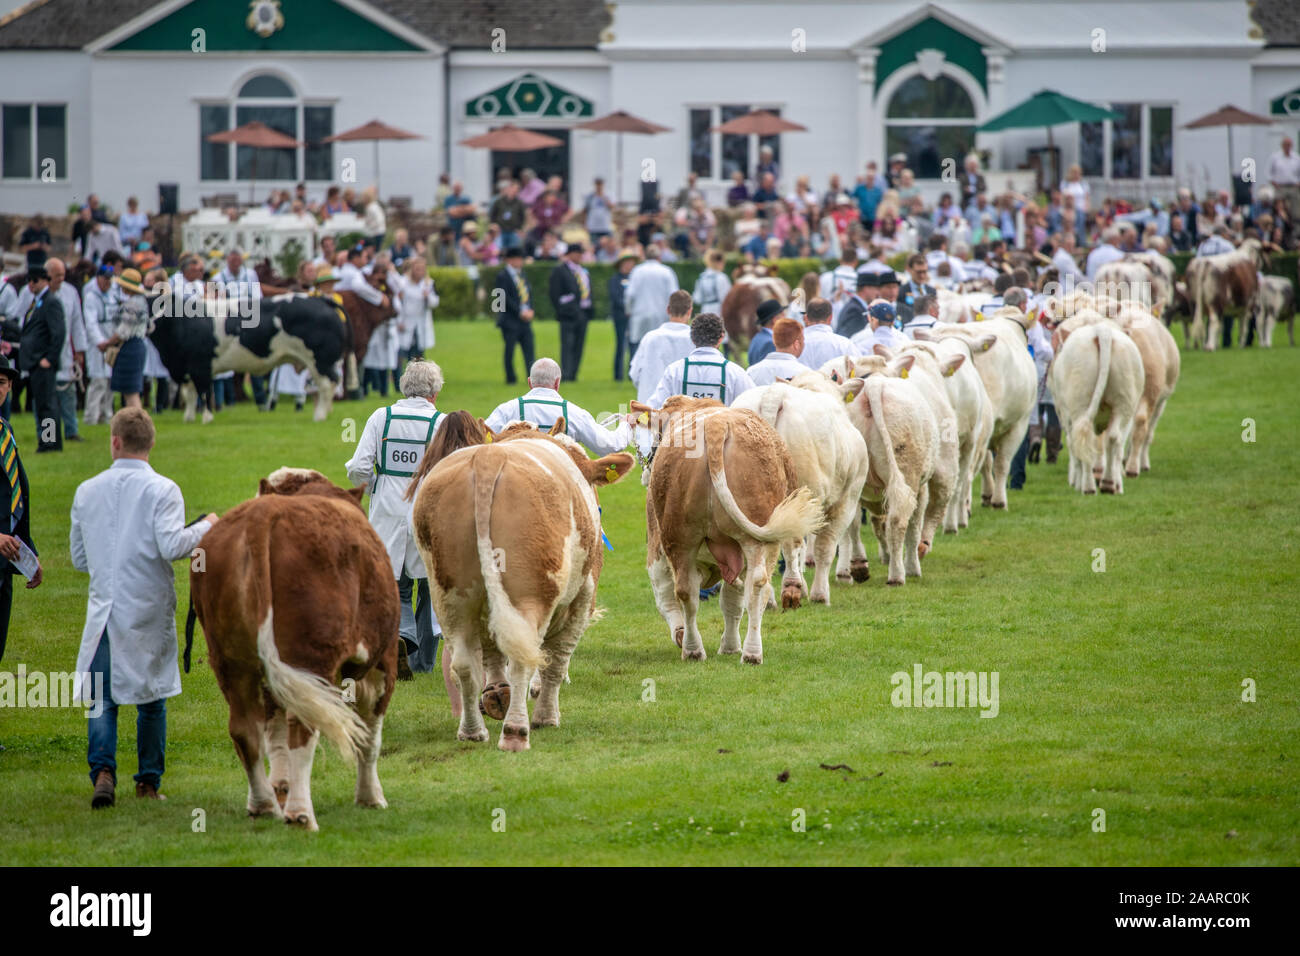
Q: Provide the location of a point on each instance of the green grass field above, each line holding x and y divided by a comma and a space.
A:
1119, 691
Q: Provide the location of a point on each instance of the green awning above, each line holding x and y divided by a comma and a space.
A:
1048, 108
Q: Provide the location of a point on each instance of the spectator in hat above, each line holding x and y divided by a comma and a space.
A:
853, 317
128, 339
761, 344
569, 287
512, 301
44, 330
783, 361
880, 318
15, 508
894, 173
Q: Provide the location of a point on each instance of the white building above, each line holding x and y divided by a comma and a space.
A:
116, 96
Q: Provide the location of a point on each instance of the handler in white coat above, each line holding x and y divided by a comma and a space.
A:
391, 446
128, 526
663, 346
100, 300
543, 405
416, 300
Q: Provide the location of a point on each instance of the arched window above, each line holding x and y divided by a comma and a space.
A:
930, 121
271, 100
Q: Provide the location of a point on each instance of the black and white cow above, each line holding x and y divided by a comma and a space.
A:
299, 329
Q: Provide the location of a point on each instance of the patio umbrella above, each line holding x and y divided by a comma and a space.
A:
259, 136
375, 130
1229, 116
759, 123
621, 122
511, 139
1047, 108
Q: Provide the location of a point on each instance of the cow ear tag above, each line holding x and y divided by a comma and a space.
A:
644, 419
987, 346
611, 475
903, 374
848, 398
488, 439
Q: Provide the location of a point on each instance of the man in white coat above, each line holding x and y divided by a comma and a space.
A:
128, 526
705, 373
663, 346
649, 285
783, 361
543, 405
820, 342
100, 300
390, 449
73, 356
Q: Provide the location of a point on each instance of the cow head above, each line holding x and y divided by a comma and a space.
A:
306, 481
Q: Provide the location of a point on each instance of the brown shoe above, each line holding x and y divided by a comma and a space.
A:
148, 791
105, 791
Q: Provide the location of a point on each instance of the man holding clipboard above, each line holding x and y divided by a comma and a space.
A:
17, 552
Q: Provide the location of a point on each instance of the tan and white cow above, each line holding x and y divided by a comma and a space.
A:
830, 460
510, 532
299, 608
1011, 382
1217, 283
722, 497
1161, 364
1275, 303
1097, 379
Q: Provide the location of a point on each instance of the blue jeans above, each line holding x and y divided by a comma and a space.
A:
223, 392
67, 392
150, 728
418, 626
1016, 479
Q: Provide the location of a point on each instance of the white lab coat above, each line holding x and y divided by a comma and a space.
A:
246, 285
660, 348
670, 383
351, 279
389, 512
711, 289
649, 285
866, 340
415, 304
99, 310
581, 426
381, 350
74, 339
128, 526
775, 365
821, 343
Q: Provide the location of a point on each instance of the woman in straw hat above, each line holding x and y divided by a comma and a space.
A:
128, 338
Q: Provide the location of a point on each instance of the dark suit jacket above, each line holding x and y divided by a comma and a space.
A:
853, 319
564, 284
511, 300
43, 334
23, 531
617, 302
908, 293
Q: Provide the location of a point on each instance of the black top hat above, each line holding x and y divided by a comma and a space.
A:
7, 370
513, 251
37, 272
887, 277
868, 280
575, 247
768, 309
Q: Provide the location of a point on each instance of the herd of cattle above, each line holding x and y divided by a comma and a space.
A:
300, 611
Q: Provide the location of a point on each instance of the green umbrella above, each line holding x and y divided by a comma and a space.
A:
1048, 108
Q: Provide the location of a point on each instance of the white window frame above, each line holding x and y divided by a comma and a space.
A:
1144, 144
715, 176
299, 104
60, 175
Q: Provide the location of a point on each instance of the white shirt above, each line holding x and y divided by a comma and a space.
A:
706, 380
544, 406
104, 240
415, 302
74, 337
127, 529
660, 348
246, 285
376, 220
936, 257
1214, 246
776, 365
1080, 191
1284, 170
99, 311
649, 285
711, 289
923, 320
1066, 266
837, 287
866, 340
381, 350
352, 280
389, 511
1103, 254
821, 343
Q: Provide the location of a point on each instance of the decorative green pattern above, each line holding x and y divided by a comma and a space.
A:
932, 34
1288, 104
309, 25
528, 96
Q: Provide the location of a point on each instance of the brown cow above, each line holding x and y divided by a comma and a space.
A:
740, 307
296, 597
510, 533
722, 498
1222, 281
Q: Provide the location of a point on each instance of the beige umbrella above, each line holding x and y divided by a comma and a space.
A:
759, 123
621, 122
259, 136
374, 131
511, 139
1229, 116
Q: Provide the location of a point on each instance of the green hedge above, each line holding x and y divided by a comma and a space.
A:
1280, 263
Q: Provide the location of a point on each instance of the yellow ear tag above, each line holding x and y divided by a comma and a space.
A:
987, 346
848, 398
488, 439
611, 475
903, 374
644, 419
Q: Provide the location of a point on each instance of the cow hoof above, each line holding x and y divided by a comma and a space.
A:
999, 505
821, 599
1130, 474
300, 819
1089, 491
860, 570
843, 577
791, 596
478, 737
1146, 467
895, 584
749, 657
923, 549
952, 530
207, 418
693, 655
1107, 487
513, 738
495, 700
268, 810
678, 634
986, 500
544, 720
373, 803
535, 691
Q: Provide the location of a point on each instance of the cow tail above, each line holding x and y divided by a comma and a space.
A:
309, 697
900, 499
514, 636
190, 618
797, 516
1083, 435
769, 408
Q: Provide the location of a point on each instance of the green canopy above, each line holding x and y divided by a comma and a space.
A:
1048, 108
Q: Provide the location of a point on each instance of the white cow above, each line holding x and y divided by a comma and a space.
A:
1096, 379
830, 460
1274, 303
1161, 363
1011, 382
